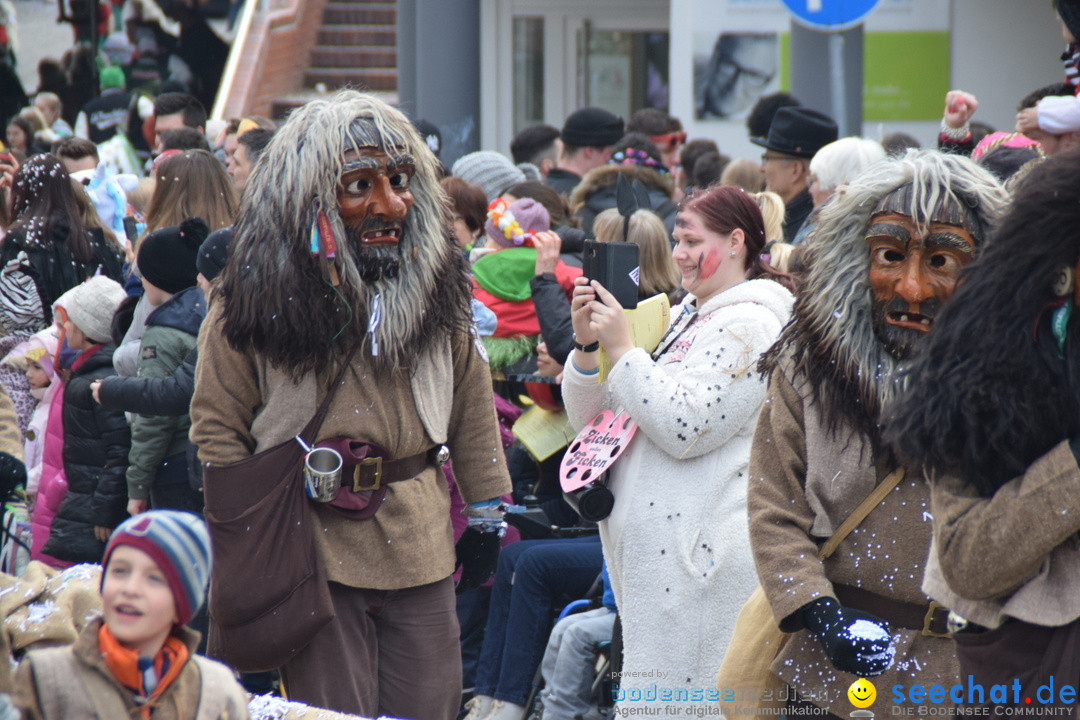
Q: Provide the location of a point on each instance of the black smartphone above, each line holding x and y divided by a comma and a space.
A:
131, 229
615, 266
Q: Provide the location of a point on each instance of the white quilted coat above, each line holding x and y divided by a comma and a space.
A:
677, 543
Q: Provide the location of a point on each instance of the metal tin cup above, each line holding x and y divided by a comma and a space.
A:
322, 474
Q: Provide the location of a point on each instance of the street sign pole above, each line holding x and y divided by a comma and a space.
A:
837, 86
832, 18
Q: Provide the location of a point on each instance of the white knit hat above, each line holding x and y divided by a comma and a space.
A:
91, 306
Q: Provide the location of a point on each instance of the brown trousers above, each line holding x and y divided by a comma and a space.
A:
1018, 651
387, 652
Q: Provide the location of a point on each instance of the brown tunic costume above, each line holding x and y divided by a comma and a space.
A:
242, 406
884, 555
978, 566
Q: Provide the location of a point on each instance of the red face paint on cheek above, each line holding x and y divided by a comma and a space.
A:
708, 263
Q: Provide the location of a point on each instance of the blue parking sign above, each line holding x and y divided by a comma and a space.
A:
830, 14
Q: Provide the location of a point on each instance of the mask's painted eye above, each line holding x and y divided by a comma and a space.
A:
399, 181
888, 255
359, 186
944, 261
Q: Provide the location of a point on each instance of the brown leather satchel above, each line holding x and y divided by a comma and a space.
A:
268, 589
746, 683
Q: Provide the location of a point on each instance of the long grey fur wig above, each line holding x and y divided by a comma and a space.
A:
830, 339
274, 294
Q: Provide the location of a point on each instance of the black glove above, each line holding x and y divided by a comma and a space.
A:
855, 641
122, 318
477, 555
12, 474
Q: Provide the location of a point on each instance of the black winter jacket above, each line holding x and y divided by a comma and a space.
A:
541, 480
52, 270
553, 313
158, 396
549, 298
96, 444
153, 395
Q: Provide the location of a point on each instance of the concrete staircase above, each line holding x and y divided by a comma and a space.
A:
355, 47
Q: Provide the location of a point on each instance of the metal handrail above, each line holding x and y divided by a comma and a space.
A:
235, 50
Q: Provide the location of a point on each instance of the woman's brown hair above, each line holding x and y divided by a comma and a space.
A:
466, 200
191, 184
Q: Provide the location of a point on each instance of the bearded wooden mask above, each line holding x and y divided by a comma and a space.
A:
914, 265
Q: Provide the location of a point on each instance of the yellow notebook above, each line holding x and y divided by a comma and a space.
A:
648, 323
542, 432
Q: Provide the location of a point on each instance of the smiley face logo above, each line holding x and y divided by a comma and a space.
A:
862, 693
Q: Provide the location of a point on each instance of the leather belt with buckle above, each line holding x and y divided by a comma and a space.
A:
932, 620
373, 472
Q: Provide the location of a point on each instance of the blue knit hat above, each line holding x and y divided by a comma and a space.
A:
180, 545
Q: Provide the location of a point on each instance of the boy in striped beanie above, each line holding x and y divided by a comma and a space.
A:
138, 659
178, 544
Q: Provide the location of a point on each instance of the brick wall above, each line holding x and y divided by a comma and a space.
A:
274, 57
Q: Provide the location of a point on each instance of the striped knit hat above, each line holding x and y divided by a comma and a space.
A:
180, 545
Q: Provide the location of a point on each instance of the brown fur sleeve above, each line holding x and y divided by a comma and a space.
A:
226, 397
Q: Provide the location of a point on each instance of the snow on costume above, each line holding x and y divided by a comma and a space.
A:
884, 258
341, 243
676, 542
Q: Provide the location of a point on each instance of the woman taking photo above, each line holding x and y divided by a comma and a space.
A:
676, 542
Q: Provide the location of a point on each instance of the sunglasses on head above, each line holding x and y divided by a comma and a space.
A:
670, 140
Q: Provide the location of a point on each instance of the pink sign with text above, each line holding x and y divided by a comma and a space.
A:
595, 449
